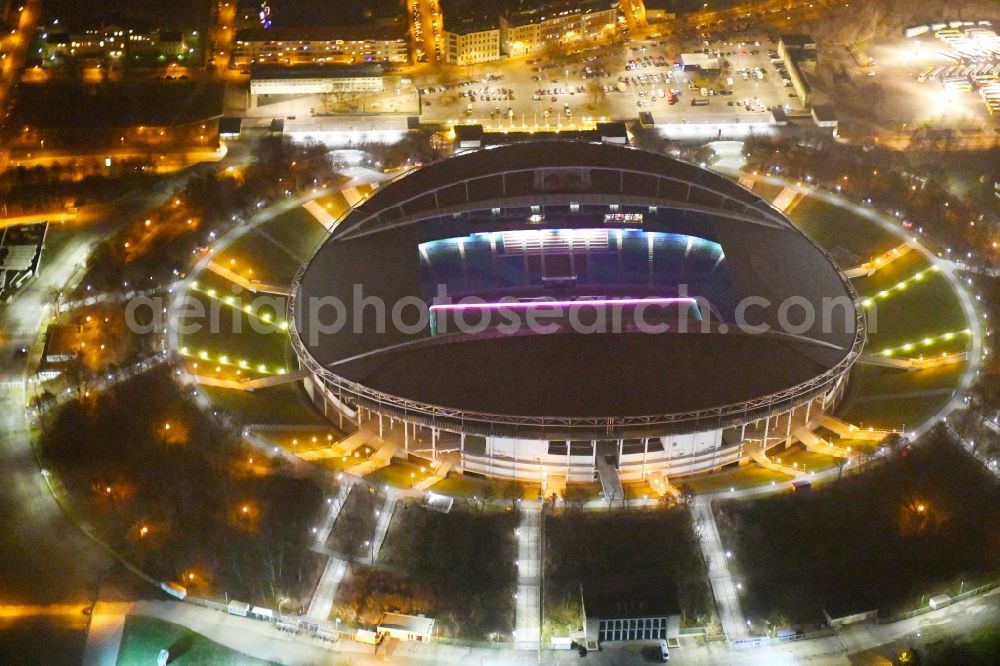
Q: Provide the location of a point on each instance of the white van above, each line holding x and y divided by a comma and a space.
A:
664, 651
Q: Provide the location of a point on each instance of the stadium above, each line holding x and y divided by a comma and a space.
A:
666, 292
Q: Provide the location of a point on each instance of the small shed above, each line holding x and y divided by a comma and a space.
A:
939, 601
468, 137
240, 608
692, 61
406, 627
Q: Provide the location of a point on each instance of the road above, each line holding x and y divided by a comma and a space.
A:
16, 44
425, 27
863, 643
223, 33
44, 557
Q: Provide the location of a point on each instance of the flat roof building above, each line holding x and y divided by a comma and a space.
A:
406, 627
322, 44
797, 51
313, 80
824, 115
692, 61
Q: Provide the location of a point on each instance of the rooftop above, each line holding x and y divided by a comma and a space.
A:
321, 33
414, 624
464, 17
530, 188
258, 72
798, 40
523, 12
573, 375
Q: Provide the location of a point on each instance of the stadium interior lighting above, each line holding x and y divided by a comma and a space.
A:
524, 305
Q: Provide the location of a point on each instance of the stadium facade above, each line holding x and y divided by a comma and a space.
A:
573, 231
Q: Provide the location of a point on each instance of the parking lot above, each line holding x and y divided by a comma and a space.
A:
938, 79
613, 82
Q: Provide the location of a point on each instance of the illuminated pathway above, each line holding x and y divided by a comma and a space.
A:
724, 590
869, 268
382, 528
527, 614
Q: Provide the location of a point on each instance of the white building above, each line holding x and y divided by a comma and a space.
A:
406, 627
531, 25
471, 42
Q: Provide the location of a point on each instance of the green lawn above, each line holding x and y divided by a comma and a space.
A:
928, 308
767, 191
903, 268
297, 230
219, 336
278, 405
888, 398
268, 261
396, 474
978, 647
893, 412
461, 485
806, 460
876, 380
832, 227
747, 476
144, 637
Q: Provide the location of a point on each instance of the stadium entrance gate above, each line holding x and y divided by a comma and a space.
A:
633, 629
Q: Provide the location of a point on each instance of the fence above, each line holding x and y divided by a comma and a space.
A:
289, 623
765, 641
982, 589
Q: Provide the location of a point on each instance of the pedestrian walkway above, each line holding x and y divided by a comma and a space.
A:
611, 480
918, 363
345, 447
251, 385
527, 614
321, 214
817, 444
382, 527
336, 504
724, 590
326, 591
254, 286
379, 459
761, 459
438, 474
336, 567
851, 431
870, 267
787, 200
